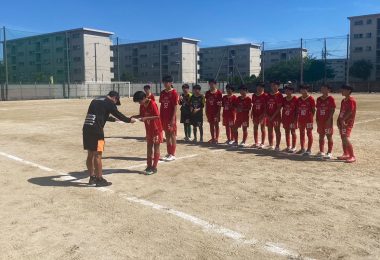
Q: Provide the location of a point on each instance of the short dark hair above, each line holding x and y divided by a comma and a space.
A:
147, 87
304, 86
326, 86
185, 86
229, 86
212, 81
243, 87
138, 96
260, 84
276, 82
348, 87
290, 87
197, 87
167, 78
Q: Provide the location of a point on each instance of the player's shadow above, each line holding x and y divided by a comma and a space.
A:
74, 179
125, 158
137, 138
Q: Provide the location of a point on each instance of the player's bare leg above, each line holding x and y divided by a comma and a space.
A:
263, 134
321, 145
270, 137
212, 132
287, 139
302, 141
168, 144
294, 140
349, 149
255, 136
309, 133
245, 135
217, 132
195, 130
330, 144
91, 167
201, 133
100, 181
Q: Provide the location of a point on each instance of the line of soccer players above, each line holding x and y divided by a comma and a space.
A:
268, 111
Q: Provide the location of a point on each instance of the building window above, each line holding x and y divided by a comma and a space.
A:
77, 71
58, 38
45, 40
369, 21
368, 35
368, 48
76, 47
358, 36
358, 49
59, 49
360, 22
77, 59
75, 35
59, 60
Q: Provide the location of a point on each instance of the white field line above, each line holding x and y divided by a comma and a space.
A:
205, 225
367, 121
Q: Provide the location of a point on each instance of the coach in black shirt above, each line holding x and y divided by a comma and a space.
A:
93, 133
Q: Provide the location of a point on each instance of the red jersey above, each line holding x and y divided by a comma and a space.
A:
258, 104
153, 127
273, 102
324, 107
151, 96
228, 104
168, 100
289, 110
213, 102
305, 109
348, 105
243, 106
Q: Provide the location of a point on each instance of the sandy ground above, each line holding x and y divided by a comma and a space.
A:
322, 210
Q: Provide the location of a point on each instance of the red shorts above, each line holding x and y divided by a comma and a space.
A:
151, 139
305, 125
345, 131
229, 121
213, 118
323, 130
242, 122
256, 121
289, 125
167, 127
275, 123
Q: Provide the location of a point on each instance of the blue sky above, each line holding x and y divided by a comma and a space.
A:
213, 22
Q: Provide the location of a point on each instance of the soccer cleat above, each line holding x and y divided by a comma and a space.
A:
242, 144
302, 151
351, 159
277, 148
102, 182
343, 157
292, 150
231, 142
165, 157
154, 170
227, 142
270, 147
328, 156
307, 153
186, 139
92, 180
211, 141
286, 150
148, 171
261, 146
201, 140
255, 146
170, 158
320, 154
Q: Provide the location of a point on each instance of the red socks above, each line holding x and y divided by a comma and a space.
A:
256, 135
302, 138
310, 139
278, 138
322, 144
263, 135
350, 150
287, 137
216, 126
212, 131
245, 134
228, 133
149, 161
294, 138
330, 145
270, 136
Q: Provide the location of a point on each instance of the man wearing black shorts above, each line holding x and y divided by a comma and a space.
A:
93, 135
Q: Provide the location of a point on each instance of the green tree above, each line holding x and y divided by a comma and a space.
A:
314, 70
361, 69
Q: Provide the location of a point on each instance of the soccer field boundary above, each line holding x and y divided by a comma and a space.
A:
367, 121
206, 226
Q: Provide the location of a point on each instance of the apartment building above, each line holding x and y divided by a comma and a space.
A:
149, 61
230, 61
272, 57
365, 41
76, 55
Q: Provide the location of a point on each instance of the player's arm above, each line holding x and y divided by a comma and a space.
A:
116, 113
175, 109
111, 119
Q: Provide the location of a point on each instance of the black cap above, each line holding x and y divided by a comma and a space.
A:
114, 93
348, 87
167, 78
197, 87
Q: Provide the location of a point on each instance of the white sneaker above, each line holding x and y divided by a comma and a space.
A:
307, 153
242, 144
227, 142
277, 149
328, 156
270, 147
320, 154
231, 143
292, 150
170, 158
261, 146
165, 157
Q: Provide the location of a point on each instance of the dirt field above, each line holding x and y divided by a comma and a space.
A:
279, 206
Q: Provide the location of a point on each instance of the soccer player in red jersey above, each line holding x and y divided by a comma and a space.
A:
258, 114
306, 111
213, 106
289, 118
273, 112
151, 117
346, 121
229, 112
243, 105
169, 103
325, 112
148, 93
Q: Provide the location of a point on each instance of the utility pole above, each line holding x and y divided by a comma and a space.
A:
160, 62
325, 61
118, 59
96, 65
196, 63
5, 63
301, 79
68, 64
262, 61
348, 61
